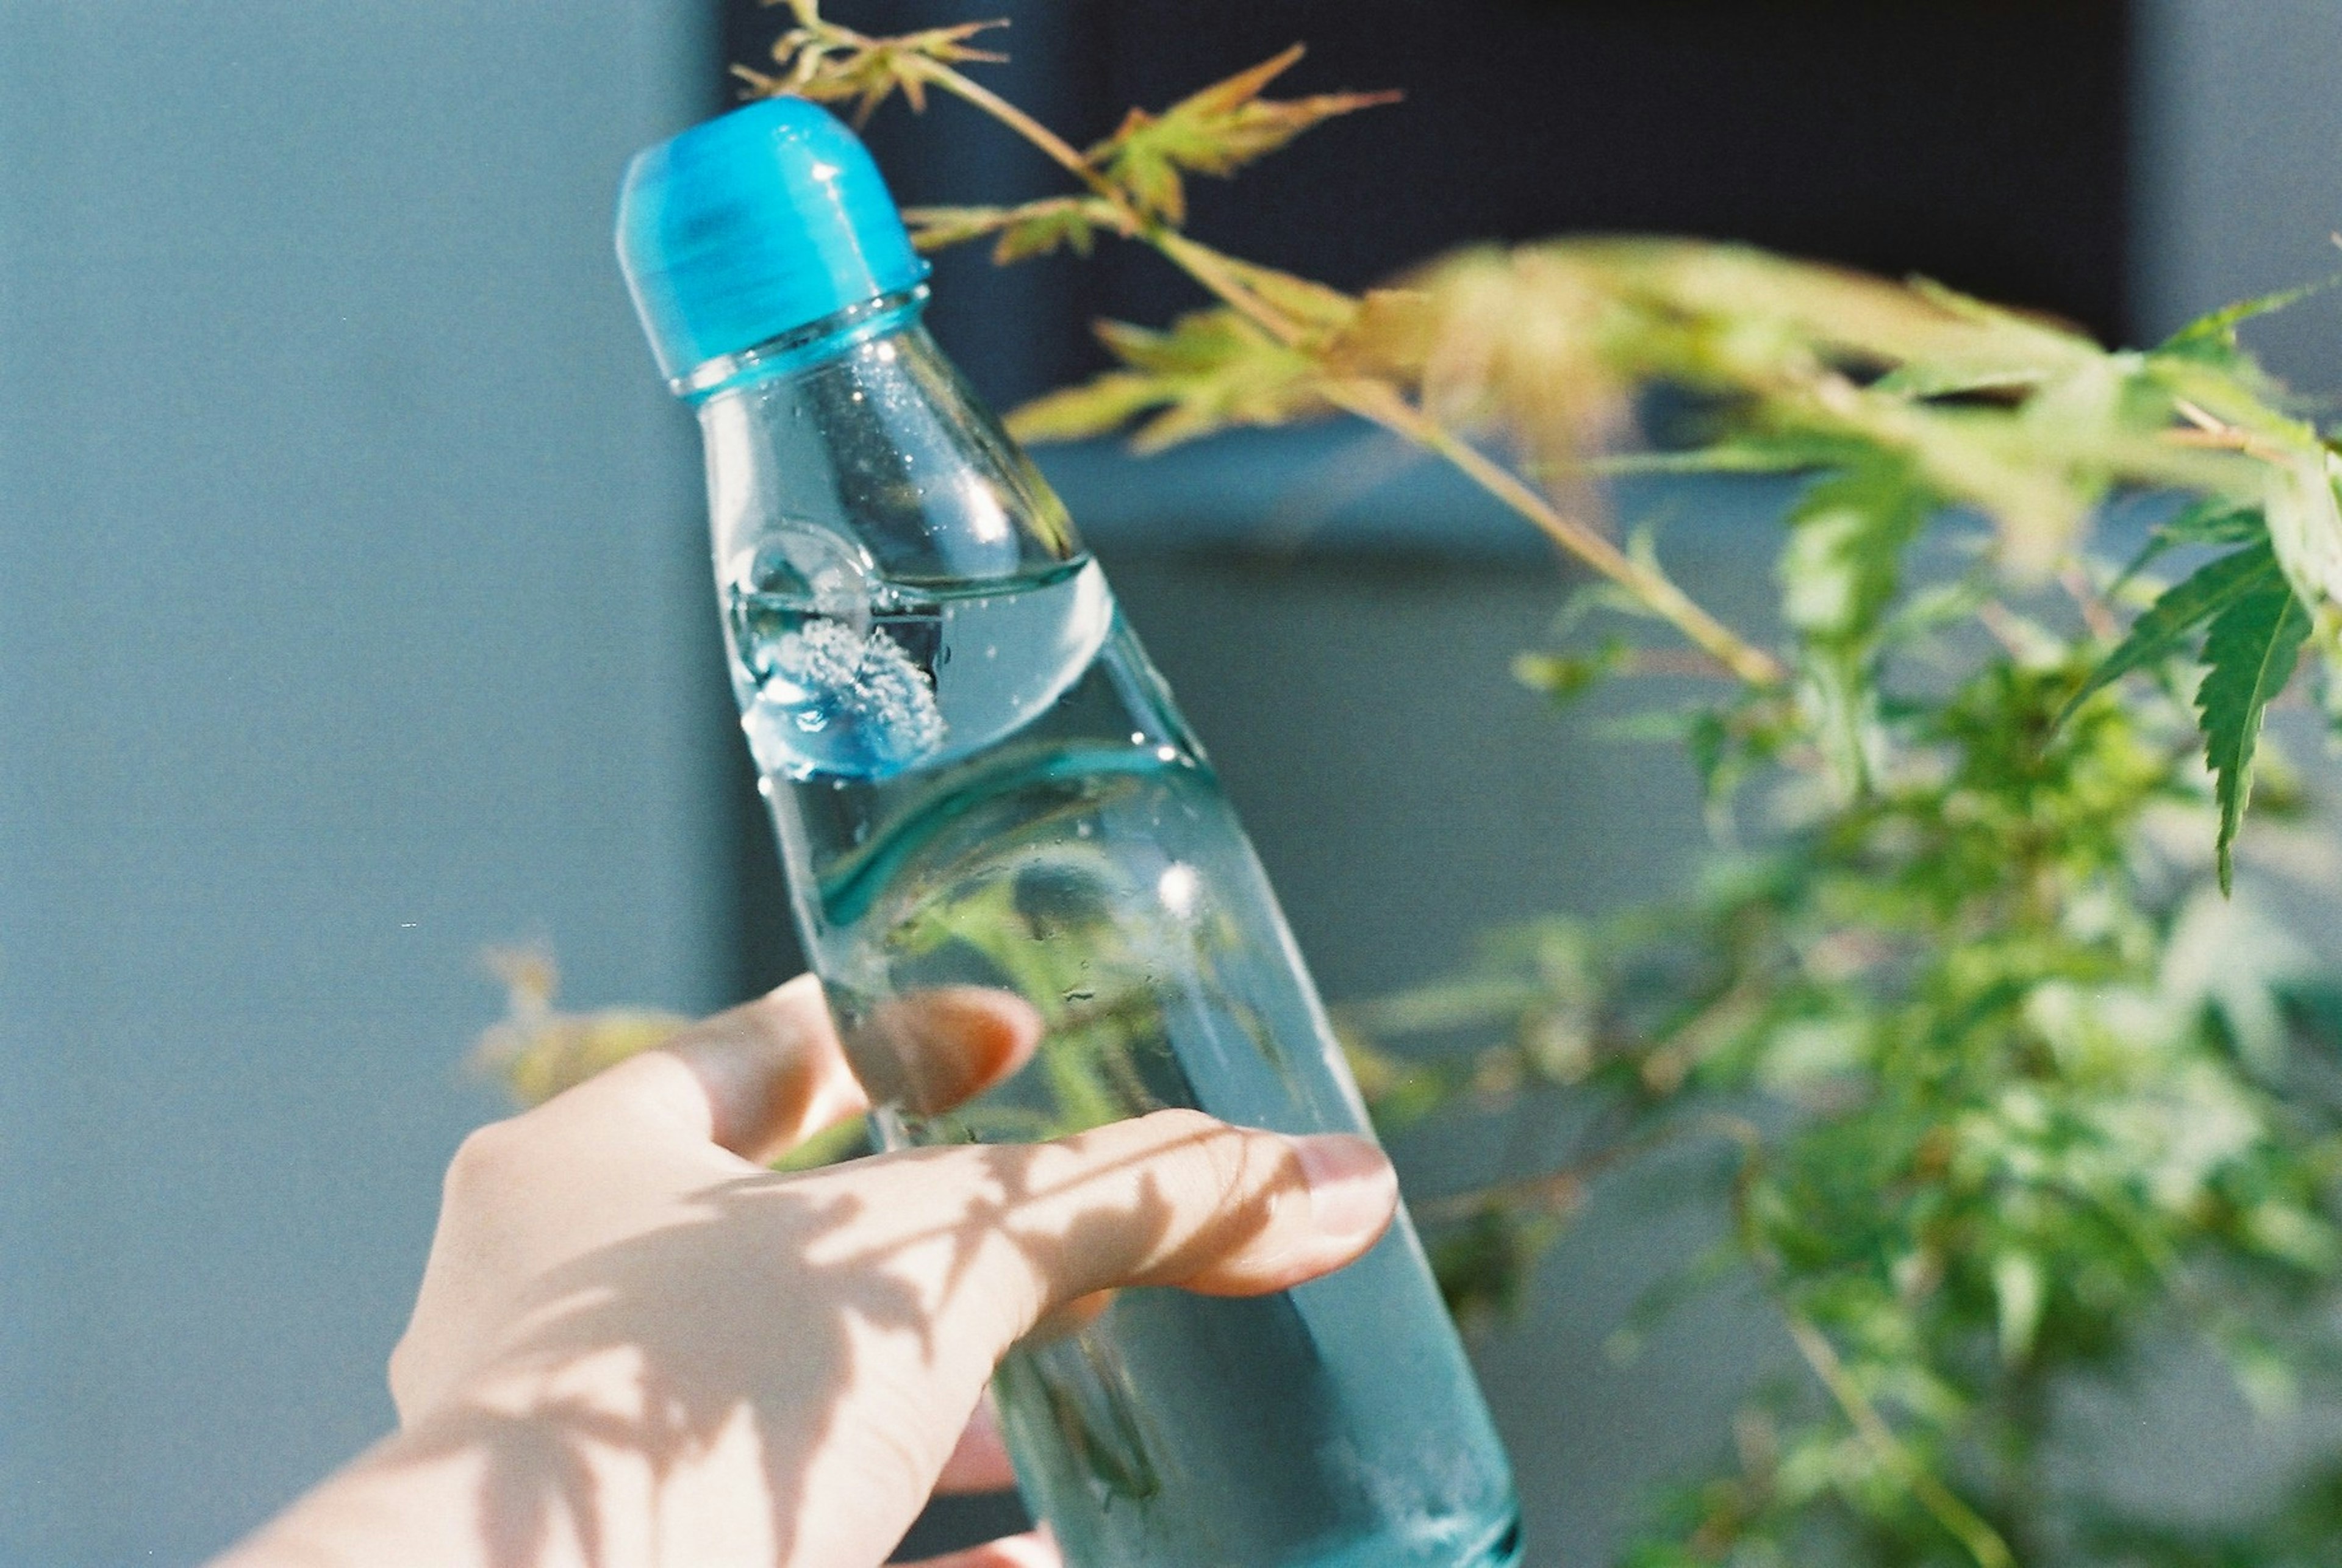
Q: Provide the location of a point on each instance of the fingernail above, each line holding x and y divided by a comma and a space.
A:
1352, 1186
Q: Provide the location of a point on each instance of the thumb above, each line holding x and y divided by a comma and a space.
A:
1178, 1198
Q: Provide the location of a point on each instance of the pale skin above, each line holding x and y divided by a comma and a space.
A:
636, 1345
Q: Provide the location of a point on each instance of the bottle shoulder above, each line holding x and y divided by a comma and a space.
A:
885, 445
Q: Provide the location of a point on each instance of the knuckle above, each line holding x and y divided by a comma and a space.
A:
1230, 1170
482, 1161
419, 1381
402, 1376
779, 1017
1222, 1164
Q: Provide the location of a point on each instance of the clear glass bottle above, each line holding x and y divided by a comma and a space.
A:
978, 779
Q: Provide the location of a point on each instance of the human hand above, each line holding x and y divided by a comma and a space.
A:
635, 1345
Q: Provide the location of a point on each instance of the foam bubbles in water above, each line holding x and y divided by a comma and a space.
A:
845, 673
863, 688
825, 689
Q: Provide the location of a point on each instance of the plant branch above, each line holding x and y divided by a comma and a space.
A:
1211, 269
1965, 1524
1055, 147
1558, 1188
1383, 405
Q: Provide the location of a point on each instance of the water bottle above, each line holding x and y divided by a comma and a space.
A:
977, 778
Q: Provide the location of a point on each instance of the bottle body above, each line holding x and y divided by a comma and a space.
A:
977, 778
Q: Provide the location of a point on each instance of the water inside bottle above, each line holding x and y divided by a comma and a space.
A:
1054, 830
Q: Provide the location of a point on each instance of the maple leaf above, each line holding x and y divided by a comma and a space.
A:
829, 64
1214, 132
2160, 632
1510, 342
1318, 309
2250, 654
2217, 521
2304, 521
1211, 370
2212, 338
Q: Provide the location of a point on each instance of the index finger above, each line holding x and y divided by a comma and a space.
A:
760, 1079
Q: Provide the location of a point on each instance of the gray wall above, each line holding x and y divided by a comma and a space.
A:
2239, 171
351, 617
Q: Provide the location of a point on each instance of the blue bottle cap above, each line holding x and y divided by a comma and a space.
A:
752, 225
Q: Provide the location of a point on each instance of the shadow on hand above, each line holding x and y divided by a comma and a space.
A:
799, 1270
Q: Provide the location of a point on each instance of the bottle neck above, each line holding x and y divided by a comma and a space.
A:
859, 430
804, 345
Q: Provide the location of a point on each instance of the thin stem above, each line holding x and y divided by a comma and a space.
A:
2096, 615
1965, 1524
1056, 147
1380, 402
1210, 268
1203, 263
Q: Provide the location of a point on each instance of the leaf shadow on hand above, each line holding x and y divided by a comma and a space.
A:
896, 1284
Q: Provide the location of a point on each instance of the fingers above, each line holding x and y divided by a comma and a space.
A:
772, 1071
758, 1079
761, 1078
1178, 1198
980, 1462
1073, 1317
1032, 1550
930, 1049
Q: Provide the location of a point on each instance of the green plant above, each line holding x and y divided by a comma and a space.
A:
1999, 1091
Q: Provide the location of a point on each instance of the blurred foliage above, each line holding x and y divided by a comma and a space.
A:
1996, 1091
538, 1050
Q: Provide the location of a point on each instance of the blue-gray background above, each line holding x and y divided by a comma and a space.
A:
353, 617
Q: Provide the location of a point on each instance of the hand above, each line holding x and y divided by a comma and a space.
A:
635, 1345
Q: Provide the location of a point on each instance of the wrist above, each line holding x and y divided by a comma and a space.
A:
517, 1470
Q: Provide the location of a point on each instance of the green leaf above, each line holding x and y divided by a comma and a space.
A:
2214, 337
1211, 370
937, 228
1841, 703
1757, 454
1709, 740
2251, 650
1098, 406
1311, 304
846, 1141
1214, 132
2305, 522
2157, 634
1566, 677
2018, 1293
829, 64
2214, 521
1842, 561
